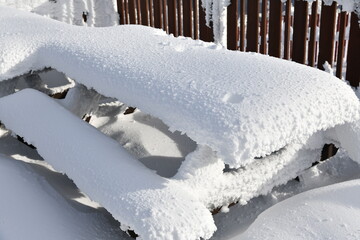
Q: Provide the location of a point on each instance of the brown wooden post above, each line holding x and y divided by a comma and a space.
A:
353, 59
132, 11
287, 30
263, 26
341, 44
165, 16
172, 17
300, 31
242, 25
206, 33
158, 13
232, 27
145, 20
327, 35
187, 17
127, 18
196, 19
151, 13
252, 30
138, 11
313, 27
275, 23
121, 11
180, 16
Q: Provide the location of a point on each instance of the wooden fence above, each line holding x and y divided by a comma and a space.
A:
291, 30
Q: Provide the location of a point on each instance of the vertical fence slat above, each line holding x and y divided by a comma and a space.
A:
232, 27
242, 25
132, 11
126, 3
172, 17
206, 33
151, 13
263, 27
287, 29
313, 27
187, 18
275, 23
300, 31
353, 59
145, 12
180, 16
327, 34
196, 19
158, 13
252, 30
121, 11
341, 44
138, 11
165, 16
326, 53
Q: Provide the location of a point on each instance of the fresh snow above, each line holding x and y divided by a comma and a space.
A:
203, 173
30, 208
232, 225
212, 95
147, 138
99, 13
26, 5
216, 12
156, 208
211, 101
326, 213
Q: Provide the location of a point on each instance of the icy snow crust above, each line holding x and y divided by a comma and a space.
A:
242, 105
156, 208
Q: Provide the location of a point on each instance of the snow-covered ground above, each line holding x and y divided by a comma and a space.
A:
247, 124
326, 213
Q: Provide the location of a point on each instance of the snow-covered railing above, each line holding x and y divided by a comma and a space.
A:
308, 32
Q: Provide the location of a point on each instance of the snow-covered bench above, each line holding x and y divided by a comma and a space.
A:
155, 207
266, 118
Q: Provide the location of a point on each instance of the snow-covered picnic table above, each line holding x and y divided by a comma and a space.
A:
265, 118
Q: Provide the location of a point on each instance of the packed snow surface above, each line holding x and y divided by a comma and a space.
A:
155, 207
242, 105
326, 213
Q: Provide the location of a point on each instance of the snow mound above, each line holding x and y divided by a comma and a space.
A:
156, 208
242, 105
325, 213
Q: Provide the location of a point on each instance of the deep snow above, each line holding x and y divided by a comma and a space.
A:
325, 213
153, 206
30, 208
212, 95
139, 144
